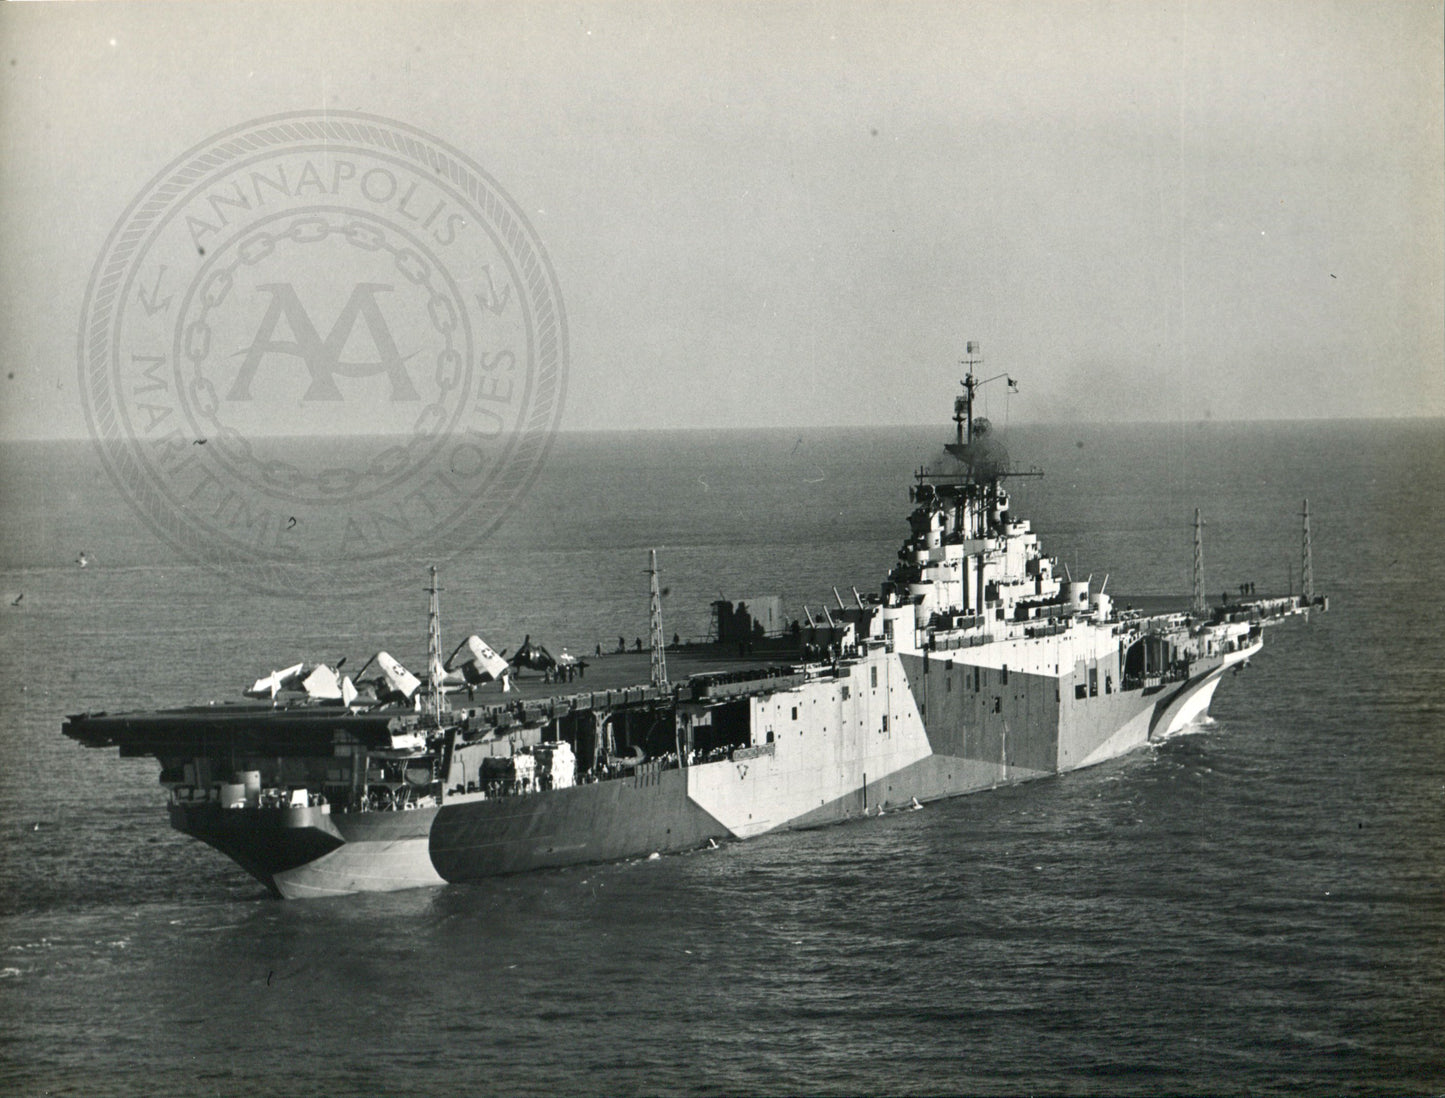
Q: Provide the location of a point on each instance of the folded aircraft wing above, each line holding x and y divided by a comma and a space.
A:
323, 684
532, 656
268, 686
398, 679
478, 663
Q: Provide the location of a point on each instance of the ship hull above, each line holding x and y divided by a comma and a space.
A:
885, 733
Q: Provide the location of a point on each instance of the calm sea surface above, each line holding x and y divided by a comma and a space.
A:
1257, 905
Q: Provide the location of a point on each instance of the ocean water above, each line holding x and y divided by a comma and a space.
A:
1256, 905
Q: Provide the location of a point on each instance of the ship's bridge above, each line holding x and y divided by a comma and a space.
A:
968, 557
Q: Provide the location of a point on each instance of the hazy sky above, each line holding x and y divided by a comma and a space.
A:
797, 213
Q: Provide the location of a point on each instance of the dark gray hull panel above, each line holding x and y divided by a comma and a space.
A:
602, 822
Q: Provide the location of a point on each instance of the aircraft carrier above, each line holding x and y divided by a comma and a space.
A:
976, 664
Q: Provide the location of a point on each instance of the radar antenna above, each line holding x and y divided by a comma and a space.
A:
1307, 567
659, 649
1197, 604
434, 649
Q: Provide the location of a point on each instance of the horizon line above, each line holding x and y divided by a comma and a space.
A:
889, 426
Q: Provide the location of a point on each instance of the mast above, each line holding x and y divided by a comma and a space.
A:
434, 648
963, 406
1197, 604
659, 652
1307, 568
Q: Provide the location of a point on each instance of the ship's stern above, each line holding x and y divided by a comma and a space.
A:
266, 842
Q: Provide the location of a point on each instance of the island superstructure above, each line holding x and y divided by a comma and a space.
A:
973, 666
